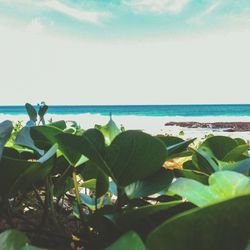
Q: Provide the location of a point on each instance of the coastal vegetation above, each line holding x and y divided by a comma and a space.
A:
62, 187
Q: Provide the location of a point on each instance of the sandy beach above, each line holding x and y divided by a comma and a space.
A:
191, 126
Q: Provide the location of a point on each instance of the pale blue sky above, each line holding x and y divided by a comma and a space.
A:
124, 52
129, 18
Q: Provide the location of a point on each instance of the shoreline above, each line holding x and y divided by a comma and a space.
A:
191, 126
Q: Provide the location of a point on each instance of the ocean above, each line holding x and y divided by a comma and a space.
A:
141, 110
149, 118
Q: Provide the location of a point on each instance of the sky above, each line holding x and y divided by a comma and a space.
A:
93, 52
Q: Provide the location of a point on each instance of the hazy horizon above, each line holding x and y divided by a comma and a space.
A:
124, 52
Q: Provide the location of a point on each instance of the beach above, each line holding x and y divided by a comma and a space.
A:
190, 127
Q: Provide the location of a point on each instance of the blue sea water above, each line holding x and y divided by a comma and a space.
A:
142, 110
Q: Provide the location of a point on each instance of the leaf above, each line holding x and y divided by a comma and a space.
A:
31, 112
19, 175
239, 166
109, 131
44, 136
102, 184
240, 141
179, 147
12, 240
6, 128
223, 185
205, 161
150, 185
217, 153
35, 172
95, 180
219, 146
192, 174
90, 144
134, 155
58, 124
176, 146
131, 216
24, 139
42, 110
221, 226
170, 140
63, 185
236, 153
130, 240
88, 171
90, 184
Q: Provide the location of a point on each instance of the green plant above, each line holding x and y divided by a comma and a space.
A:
112, 185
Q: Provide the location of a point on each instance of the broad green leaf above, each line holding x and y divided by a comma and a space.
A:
41, 112
102, 184
240, 141
218, 152
192, 174
6, 128
12, 240
130, 240
189, 165
109, 131
58, 124
239, 166
176, 146
131, 216
24, 139
35, 172
205, 161
236, 153
90, 144
19, 175
88, 171
179, 147
90, 184
44, 136
150, 185
220, 226
134, 155
194, 191
31, 112
228, 184
219, 146
170, 140
222, 185
70, 130
63, 185
50, 153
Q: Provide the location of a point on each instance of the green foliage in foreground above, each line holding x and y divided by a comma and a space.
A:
15, 240
118, 189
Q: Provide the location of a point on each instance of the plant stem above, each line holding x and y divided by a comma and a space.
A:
52, 208
77, 192
78, 200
